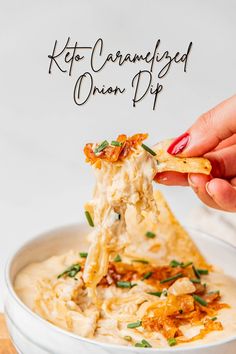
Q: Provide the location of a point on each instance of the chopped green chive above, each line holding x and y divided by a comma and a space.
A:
145, 147
200, 300
89, 218
101, 147
185, 265
155, 293
197, 274
214, 318
197, 281
83, 254
125, 284
116, 143
171, 342
175, 263
134, 324
179, 275
128, 338
203, 271
150, 234
117, 258
143, 344
147, 275
71, 271
140, 261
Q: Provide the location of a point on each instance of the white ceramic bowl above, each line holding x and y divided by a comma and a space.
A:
33, 335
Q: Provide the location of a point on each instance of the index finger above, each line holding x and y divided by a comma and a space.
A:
208, 131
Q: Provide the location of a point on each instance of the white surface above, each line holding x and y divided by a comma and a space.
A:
24, 326
43, 180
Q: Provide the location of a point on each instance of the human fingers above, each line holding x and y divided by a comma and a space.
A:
223, 162
208, 131
233, 181
172, 178
198, 183
227, 142
222, 193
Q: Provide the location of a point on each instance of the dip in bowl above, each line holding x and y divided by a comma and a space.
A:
32, 334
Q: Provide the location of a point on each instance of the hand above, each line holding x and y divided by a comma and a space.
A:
213, 136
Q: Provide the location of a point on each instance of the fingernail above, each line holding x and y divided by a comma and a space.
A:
179, 144
159, 178
191, 180
208, 189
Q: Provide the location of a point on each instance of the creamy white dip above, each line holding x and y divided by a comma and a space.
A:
38, 287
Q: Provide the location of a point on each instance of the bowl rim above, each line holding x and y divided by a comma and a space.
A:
63, 332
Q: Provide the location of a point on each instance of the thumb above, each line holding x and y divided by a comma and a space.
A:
223, 162
208, 131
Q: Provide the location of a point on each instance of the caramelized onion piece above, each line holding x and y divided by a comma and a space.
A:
113, 153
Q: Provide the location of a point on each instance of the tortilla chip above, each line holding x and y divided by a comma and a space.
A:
179, 244
171, 240
167, 162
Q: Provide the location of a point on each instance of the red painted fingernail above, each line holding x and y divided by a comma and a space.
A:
179, 144
160, 178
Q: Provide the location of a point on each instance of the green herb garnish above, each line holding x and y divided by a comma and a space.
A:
143, 344
200, 300
179, 275
197, 281
175, 263
83, 254
197, 274
155, 293
185, 265
145, 147
203, 271
147, 275
125, 284
89, 218
128, 338
101, 147
134, 324
140, 261
150, 234
117, 258
171, 342
116, 143
214, 318
71, 271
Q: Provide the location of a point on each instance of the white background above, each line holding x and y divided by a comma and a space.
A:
44, 181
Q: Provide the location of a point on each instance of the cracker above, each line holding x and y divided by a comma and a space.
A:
167, 162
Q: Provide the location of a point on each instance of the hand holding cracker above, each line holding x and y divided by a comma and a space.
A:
212, 136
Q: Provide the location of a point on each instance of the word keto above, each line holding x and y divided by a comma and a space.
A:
145, 82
